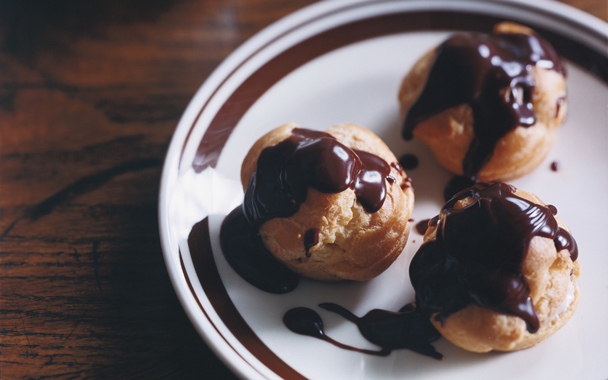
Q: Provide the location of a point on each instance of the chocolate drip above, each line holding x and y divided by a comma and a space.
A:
305, 321
311, 238
565, 240
491, 73
370, 186
409, 161
456, 185
478, 252
422, 226
407, 182
553, 209
245, 252
311, 159
397, 166
407, 328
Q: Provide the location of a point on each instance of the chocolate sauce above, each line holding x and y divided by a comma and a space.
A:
491, 73
311, 159
553, 209
422, 226
305, 321
311, 238
407, 328
478, 252
397, 166
247, 255
456, 185
555, 166
564, 240
409, 161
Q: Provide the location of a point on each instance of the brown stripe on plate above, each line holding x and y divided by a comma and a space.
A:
206, 272
260, 81
181, 261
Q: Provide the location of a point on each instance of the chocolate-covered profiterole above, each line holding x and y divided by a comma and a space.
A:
328, 205
476, 90
497, 270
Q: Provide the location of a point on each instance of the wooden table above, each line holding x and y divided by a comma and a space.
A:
90, 94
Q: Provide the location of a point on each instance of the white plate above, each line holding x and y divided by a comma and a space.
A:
339, 61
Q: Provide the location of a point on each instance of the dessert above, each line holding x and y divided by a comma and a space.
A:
329, 205
497, 271
489, 106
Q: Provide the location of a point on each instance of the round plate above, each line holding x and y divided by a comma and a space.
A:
337, 62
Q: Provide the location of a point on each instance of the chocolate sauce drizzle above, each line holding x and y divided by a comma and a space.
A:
457, 184
409, 161
422, 226
311, 159
311, 238
246, 253
280, 185
407, 182
491, 73
407, 328
478, 252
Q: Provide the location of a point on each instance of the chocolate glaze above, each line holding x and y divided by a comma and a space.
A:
409, 161
491, 73
564, 240
456, 185
553, 209
422, 226
407, 328
407, 182
311, 159
311, 238
397, 166
305, 321
478, 252
247, 255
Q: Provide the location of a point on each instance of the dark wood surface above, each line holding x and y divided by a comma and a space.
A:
90, 94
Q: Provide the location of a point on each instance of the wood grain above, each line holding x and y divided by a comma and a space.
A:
90, 94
